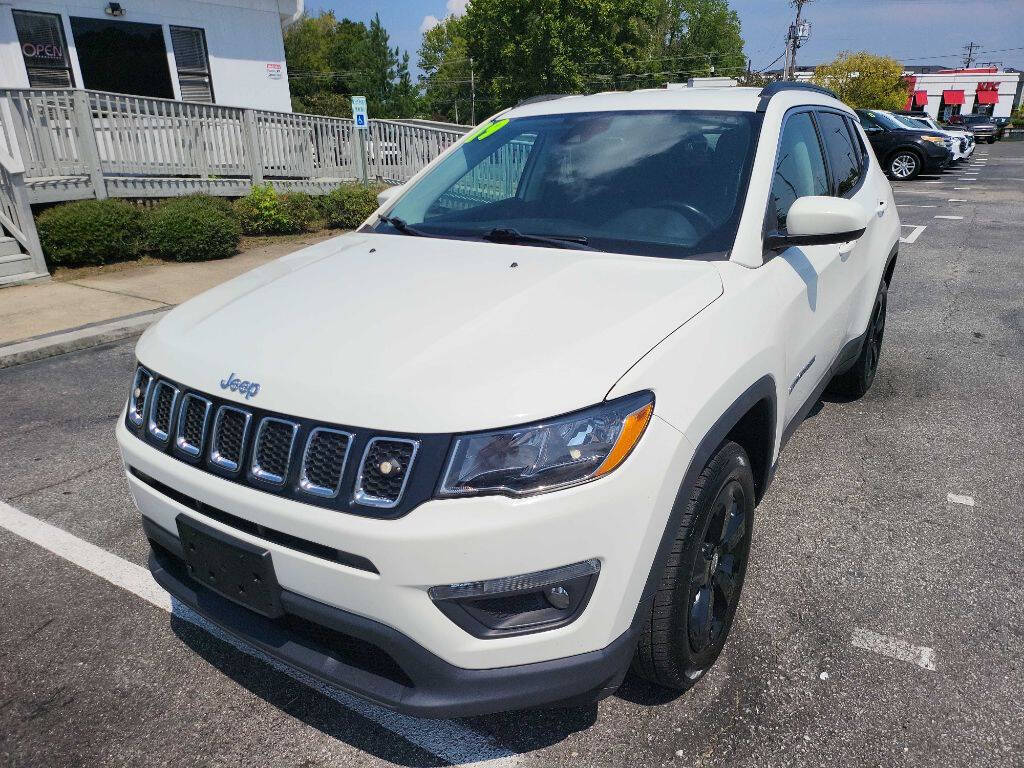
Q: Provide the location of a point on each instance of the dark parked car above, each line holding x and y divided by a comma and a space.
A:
1003, 124
983, 127
903, 151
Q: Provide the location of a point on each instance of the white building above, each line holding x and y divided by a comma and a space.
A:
981, 91
224, 51
945, 92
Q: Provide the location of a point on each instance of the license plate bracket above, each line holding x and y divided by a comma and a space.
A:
235, 569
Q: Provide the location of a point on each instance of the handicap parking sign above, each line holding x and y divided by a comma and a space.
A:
359, 112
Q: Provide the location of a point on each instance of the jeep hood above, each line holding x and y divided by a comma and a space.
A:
416, 334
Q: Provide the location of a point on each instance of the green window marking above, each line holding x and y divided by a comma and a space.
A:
488, 130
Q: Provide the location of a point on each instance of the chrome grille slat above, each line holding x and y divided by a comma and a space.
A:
193, 417
374, 486
161, 410
272, 450
142, 383
323, 461
227, 444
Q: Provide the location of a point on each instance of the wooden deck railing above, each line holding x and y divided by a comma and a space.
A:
16, 215
66, 132
61, 144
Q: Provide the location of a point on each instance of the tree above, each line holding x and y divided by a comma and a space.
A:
329, 61
701, 38
444, 61
864, 81
324, 58
523, 48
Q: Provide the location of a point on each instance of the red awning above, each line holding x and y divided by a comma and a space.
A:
953, 97
988, 97
921, 98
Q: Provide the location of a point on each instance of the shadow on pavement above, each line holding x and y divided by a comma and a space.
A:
522, 731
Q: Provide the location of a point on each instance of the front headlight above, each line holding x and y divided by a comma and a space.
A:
542, 457
934, 139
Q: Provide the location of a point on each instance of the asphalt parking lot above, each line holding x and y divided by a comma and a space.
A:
881, 623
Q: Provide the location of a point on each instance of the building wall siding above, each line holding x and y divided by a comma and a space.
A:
243, 37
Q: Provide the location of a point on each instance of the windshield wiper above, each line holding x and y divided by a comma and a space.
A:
402, 227
511, 236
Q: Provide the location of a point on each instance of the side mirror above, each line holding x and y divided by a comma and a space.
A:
386, 195
820, 220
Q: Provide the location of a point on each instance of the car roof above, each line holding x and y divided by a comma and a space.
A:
726, 99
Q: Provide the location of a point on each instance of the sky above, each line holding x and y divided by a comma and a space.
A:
913, 31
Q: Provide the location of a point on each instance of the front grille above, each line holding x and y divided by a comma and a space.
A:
289, 456
141, 384
273, 452
323, 461
165, 396
195, 412
229, 433
384, 471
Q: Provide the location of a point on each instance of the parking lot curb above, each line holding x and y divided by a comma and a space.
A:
86, 336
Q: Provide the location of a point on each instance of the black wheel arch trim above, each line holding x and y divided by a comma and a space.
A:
762, 389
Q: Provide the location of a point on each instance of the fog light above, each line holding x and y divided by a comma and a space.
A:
558, 596
529, 602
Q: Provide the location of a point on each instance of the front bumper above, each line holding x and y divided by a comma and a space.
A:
937, 159
379, 663
618, 519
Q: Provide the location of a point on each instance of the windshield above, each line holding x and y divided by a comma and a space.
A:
890, 121
911, 122
661, 183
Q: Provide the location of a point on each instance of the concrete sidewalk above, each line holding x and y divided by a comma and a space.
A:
109, 303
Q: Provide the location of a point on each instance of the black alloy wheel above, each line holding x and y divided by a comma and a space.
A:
717, 570
700, 584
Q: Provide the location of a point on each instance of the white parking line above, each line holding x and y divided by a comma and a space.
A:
956, 498
953, 218
934, 182
893, 648
956, 200
962, 188
448, 740
916, 230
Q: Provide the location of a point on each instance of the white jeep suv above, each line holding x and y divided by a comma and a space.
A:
504, 442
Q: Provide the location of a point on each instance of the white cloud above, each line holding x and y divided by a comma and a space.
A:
452, 8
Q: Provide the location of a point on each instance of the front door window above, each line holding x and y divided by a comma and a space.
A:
122, 56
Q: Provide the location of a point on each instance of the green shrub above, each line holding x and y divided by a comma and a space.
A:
192, 228
265, 212
301, 210
346, 206
91, 232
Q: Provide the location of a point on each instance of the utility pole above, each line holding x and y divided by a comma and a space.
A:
798, 33
472, 94
969, 53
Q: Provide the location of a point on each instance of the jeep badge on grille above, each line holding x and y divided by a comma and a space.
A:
247, 388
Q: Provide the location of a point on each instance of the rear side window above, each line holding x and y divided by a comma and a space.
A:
799, 166
858, 143
842, 155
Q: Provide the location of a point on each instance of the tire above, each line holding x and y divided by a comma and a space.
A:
991, 139
904, 165
857, 380
700, 587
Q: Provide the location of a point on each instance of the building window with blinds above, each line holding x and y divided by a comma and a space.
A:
41, 39
193, 64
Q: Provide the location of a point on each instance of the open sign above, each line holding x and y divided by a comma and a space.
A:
49, 51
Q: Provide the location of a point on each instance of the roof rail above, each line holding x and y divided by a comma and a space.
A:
542, 97
787, 85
